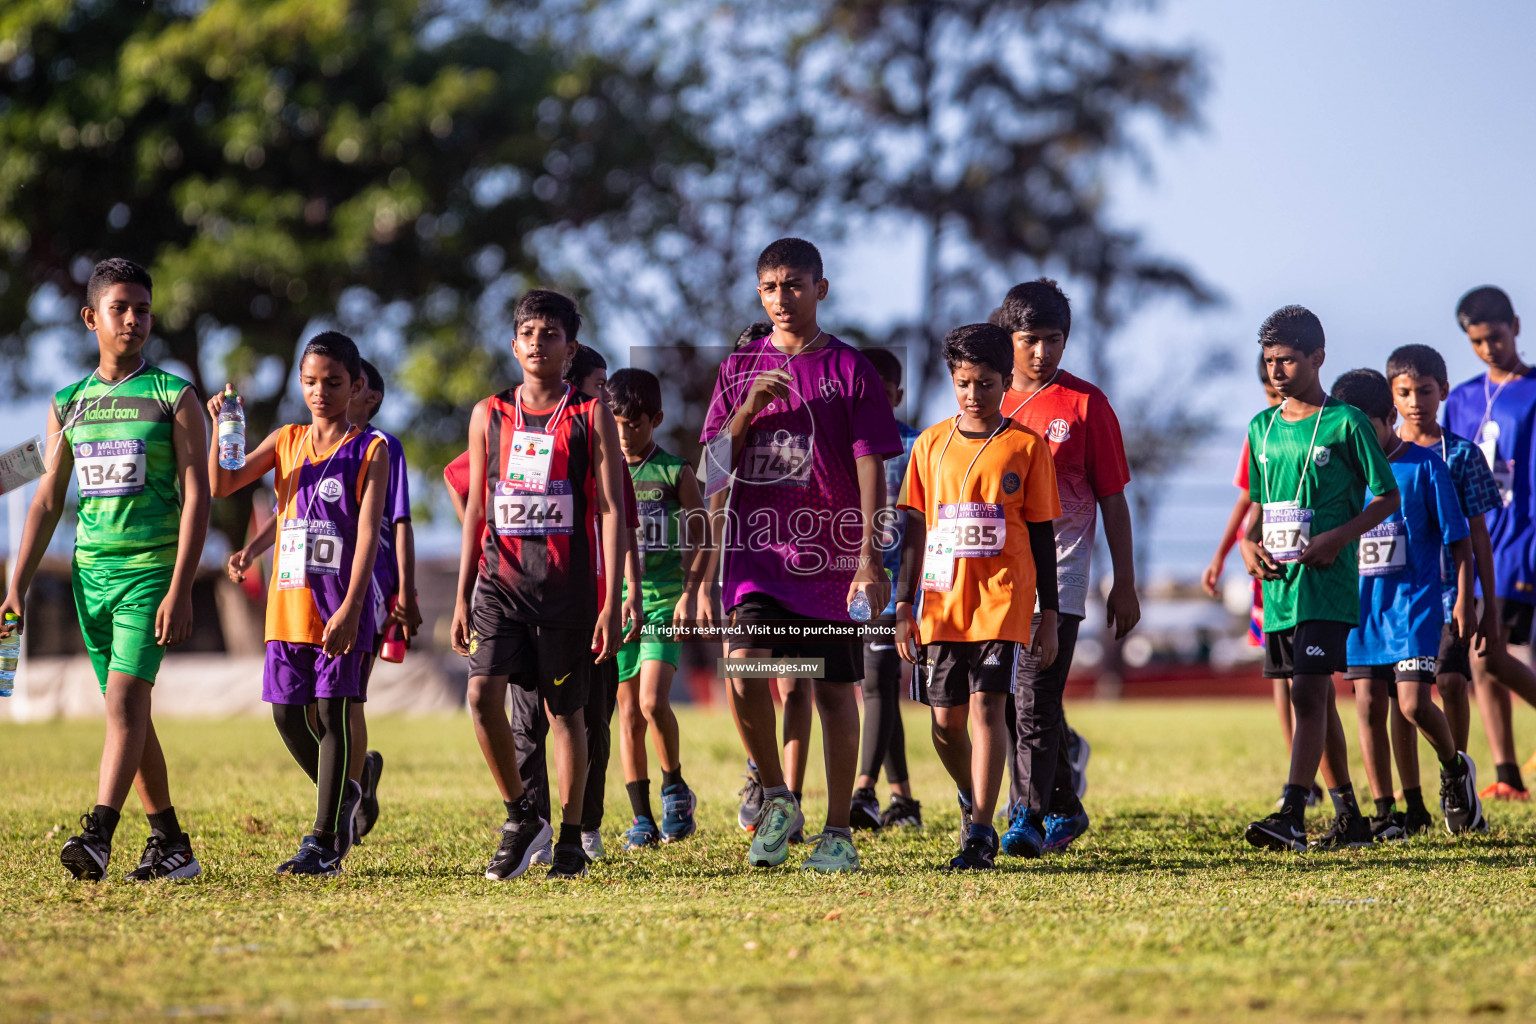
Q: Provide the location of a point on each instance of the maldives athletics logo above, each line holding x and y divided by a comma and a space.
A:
1058, 431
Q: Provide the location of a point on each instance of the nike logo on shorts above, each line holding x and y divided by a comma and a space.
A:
561, 679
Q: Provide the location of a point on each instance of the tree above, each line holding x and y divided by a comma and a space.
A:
278, 163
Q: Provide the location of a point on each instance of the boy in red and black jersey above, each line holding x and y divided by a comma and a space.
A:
543, 459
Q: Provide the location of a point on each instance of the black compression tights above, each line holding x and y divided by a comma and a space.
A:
322, 752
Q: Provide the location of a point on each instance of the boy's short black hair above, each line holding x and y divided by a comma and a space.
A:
375, 383
1366, 390
543, 304
1485, 305
1037, 303
1417, 361
115, 270
586, 360
980, 345
337, 346
634, 392
753, 331
795, 253
1263, 371
886, 365
1296, 326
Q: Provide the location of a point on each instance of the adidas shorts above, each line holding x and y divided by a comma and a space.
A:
1409, 670
951, 670
1316, 647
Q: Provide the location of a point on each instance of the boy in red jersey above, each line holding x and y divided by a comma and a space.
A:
1075, 418
543, 457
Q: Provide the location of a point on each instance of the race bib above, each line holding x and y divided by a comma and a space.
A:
1502, 470
307, 547
109, 469
528, 461
1384, 549
1287, 529
939, 559
978, 526
781, 458
717, 464
21, 465
517, 513
653, 526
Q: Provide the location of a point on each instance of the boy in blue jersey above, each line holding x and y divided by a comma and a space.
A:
1392, 653
1419, 385
885, 741
1497, 412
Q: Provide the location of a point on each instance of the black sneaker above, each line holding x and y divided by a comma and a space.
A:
1459, 802
978, 854
1388, 828
965, 818
865, 810
1277, 832
351, 797
1417, 820
166, 857
519, 842
1347, 830
86, 854
902, 813
368, 807
312, 859
569, 862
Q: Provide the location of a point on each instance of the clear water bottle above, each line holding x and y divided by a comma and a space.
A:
10, 656
859, 609
232, 431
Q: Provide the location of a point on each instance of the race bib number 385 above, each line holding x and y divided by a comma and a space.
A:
978, 528
109, 469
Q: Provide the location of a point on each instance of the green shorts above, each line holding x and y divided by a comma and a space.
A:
646, 649
117, 606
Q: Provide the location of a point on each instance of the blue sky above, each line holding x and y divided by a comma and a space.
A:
1370, 160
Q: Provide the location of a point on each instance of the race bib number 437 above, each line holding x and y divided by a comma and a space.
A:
109, 469
1287, 529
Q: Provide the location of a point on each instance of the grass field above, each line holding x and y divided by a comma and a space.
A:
1159, 912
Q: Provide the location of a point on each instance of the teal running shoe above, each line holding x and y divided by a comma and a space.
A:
833, 855
642, 833
779, 819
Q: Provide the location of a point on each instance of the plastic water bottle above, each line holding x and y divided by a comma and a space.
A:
232, 431
10, 655
859, 609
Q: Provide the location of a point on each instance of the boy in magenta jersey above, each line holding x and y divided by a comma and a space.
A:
800, 425
321, 626
1078, 423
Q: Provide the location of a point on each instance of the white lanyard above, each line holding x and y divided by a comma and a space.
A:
1036, 393
554, 420
99, 399
293, 483
1488, 405
938, 469
1306, 458
641, 464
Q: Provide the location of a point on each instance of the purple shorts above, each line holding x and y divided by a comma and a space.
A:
302, 674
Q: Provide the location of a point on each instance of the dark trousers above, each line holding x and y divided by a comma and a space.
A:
1041, 776
530, 727
885, 741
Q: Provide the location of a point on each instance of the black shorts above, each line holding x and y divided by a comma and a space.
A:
949, 671
1515, 616
555, 662
1316, 647
843, 659
1455, 655
1409, 670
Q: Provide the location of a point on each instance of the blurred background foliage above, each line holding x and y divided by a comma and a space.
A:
403, 169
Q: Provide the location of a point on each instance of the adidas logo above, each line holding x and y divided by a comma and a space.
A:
991, 659
1315, 651
1421, 664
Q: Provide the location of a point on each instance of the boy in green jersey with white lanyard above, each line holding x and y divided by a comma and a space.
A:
132, 436
1310, 463
667, 493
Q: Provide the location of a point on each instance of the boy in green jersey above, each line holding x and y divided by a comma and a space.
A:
667, 493
132, 435
1310, 462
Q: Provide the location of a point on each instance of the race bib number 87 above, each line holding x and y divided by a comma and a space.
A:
1384, 549
109, 469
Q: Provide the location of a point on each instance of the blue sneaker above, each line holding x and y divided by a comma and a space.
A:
642, 833
312, 859
677, 806
1060, 830
1023, 838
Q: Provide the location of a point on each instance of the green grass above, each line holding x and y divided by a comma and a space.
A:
1160, 912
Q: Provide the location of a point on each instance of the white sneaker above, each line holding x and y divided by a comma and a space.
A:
592, 845
546, 853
